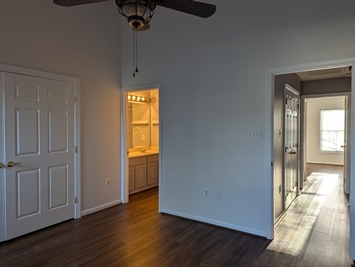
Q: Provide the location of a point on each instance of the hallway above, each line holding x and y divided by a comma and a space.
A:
316, 228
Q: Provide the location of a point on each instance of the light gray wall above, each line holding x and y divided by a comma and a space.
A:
83, 42
337, 85
314, 106
213, 77
280, 80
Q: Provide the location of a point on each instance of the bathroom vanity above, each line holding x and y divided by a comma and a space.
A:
143, 171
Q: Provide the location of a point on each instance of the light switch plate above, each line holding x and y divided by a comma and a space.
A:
257, 134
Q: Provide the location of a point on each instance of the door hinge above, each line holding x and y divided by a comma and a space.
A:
272, 164
75, 149
75, 200
346, 105
74, 98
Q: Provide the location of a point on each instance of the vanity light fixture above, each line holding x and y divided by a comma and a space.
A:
137, 99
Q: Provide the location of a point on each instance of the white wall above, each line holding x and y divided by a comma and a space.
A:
213, 76
83, 42
314, 106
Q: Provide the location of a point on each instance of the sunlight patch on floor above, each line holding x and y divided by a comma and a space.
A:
292, 233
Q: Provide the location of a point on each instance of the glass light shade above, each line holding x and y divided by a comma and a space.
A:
137, 12
134, 8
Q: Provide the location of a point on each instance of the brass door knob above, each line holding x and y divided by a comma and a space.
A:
13, 164
2, 165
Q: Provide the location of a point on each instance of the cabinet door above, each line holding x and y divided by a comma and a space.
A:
140, 180
131, 179
152, 173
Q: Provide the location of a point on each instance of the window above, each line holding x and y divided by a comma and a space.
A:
332, 130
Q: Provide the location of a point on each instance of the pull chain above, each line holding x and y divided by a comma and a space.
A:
135, 53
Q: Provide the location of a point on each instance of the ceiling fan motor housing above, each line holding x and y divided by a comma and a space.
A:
137, 12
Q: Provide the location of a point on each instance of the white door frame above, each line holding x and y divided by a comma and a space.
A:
269, 143
124, 148
47, 75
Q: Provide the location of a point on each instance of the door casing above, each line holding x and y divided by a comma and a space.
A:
77, 171
124, 146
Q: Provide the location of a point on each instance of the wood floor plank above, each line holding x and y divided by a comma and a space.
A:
314, 232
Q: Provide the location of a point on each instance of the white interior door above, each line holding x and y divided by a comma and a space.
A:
39, 137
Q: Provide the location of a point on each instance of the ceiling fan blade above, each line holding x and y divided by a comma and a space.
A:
76, 2
144, 28
199, 9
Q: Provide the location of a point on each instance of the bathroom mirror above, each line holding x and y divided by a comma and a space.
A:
143, 120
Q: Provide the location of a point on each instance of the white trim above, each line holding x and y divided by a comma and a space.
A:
124, 148
216, 222
2, 171
269, 142
101, 207
77, 170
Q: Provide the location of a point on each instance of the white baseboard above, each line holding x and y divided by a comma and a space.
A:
215, 222
101, 207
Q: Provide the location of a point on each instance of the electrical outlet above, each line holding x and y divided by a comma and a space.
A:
107, 182
206, 192
218, 195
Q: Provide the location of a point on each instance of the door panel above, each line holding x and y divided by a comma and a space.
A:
26, 133
58, 184
58, 125
291, 160
27, 193
39, 130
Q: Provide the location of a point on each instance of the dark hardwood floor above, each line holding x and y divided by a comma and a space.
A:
314, 232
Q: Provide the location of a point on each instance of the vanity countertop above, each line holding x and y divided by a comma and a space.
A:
142, 154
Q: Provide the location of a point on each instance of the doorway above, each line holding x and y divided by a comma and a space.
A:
271, 74
140, 140
328, 145
325, 132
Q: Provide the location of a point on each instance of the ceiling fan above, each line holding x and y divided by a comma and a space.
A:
140, 12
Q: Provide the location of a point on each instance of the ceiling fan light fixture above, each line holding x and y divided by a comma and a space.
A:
137, 12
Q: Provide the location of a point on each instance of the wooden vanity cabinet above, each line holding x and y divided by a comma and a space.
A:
143, 173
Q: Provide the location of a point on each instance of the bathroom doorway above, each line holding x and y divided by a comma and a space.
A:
140, 140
